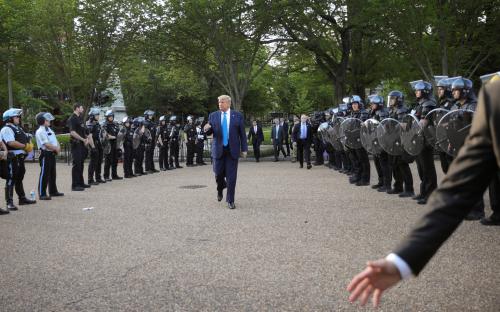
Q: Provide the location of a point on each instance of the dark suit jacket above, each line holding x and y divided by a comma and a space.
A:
296, 133
285, 130
237, 135
258, 137
281, 135
467, 179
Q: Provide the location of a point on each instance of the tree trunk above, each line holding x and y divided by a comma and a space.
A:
9, 84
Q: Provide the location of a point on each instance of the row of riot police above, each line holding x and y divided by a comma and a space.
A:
396, 136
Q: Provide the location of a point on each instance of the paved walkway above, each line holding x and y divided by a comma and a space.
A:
293, 243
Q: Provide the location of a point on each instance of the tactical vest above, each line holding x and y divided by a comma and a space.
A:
19, 136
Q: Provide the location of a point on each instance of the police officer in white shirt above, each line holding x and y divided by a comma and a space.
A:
46, 141
18, 143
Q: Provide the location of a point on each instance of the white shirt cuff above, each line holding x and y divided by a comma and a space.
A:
402, 266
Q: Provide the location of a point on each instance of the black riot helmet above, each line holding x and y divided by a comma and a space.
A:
163, 119
149, 114
173, 119
109, 113
128, 120
424, 87
42, 117
376, 100
395, 98
190, 119
444, 88
463, 85
94, 112
138, 122
200, 121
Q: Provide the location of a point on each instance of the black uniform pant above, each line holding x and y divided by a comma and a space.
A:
445, 161
149, 159
346, 161
318, 150
384, 173
128, 159
47, 173
95, 163
337, 156
287, 144
174, 154
139, 159
303, 152
199, 152
278, 147
364, 164
163, 157
256, 150
111, 161
190, 148
15, 177
494, 190
400, 170
426, 171
355, 165
79, 153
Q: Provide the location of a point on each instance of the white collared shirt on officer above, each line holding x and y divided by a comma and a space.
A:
8, 135
45, 135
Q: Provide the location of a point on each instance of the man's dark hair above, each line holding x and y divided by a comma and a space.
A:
76, 105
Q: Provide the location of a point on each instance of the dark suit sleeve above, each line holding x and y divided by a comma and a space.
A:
250, 133
463, 186
261, 134
243, 137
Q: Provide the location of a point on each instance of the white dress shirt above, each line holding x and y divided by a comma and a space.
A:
403, 267
45, 135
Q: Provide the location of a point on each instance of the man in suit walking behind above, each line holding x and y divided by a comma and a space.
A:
229, 142
302, 134
278, 136
256, 136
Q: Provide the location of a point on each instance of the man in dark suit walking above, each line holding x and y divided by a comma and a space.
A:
256, 136
302, 134
286, 128
229, 142
278, 136
477, 163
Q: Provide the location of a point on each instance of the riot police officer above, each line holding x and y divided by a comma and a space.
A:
381, 161
150, 146
445, 101
190, 136
18, 144
163, 143
96, 152
111, 160
342, 158
361, 175
174, 134
138, 128
425, 160
200, 141
328, 146
128, 149
319, 148
399, 165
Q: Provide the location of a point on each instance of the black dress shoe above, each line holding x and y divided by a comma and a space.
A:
26, 201
4, 211
231, 205
301, 166
382, 189
77, 189
179, 167
422, 201
57, 194
190, 165
100, 181
117, 178
155, 171
309, 166
219, 196
12, 207
490, 221
45, 197
406, 194
376, 186
93, 183
85, 185
108, 179
417, 197
362, 183
474, 215
394, 191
